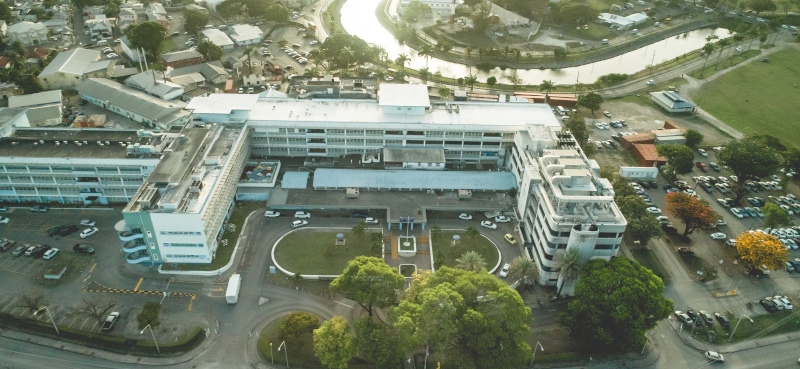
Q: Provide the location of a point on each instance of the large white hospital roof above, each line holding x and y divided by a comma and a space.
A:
393, 94
222, 103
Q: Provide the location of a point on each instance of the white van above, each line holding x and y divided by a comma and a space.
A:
604, 42
210, 26
302, 214
102, 43
223, 27
561, 111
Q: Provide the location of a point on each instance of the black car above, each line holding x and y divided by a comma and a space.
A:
83, 249
795, 264
360, 215
667, 186
53, 231
39, 252
722, 320
769, 305
68, 230
691, 314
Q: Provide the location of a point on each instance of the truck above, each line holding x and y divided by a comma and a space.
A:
109, 323
311, 25
232, 294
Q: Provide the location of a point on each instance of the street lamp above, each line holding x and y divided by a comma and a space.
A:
737, 325
534, 351
285, 353
271, 356
51, 317
154, 336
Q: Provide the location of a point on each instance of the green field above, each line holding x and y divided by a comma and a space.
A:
712, 67
758, 97
482, 245
302, 251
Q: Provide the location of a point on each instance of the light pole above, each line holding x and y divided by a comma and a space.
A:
271, 356
285, 353
49, 315
534, 351
737, 325
154, 336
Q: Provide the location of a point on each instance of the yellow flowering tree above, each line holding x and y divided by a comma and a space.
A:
758, 249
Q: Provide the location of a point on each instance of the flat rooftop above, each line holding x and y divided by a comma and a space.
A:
175, 163
28, 143
413, 179
393, 94
412, 155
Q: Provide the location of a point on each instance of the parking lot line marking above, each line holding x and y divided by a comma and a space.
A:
87, 278
84, 323
190, 303
94, 326
138, 284
9, 304
73, 321
92, 270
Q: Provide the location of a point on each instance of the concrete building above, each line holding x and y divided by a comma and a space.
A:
641, 174
11, 119
73, 166
178, 215
28, 33
134, 104
55, 25
182, 58
331, 87
245, 34
621, 22
45, 108
218, 38
71, 68
672, 102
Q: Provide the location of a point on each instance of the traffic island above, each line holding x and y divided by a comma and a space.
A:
453, 250
300, 251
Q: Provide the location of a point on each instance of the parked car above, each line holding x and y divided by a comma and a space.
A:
488, 224
718, 236
702, 152
769, 305
19, 250
510, 239
504, 271
299, 223
83, 249
465, 216
685, 251
302, 214
653, 210
371, 220
272, 214
68, 230
502, 219
706, 317
723, 321
89, 232
88, 223
50, 254
39, 209
683, 318
714, 356
53, 231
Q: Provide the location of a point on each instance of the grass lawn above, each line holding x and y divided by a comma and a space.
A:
758, 97
301, 251
649, 260
747, 329
74, 262
595, 32
710, 66
167, 45
482, 245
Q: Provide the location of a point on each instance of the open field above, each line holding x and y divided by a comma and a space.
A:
712, 68
758, 97
481, 244
300, 251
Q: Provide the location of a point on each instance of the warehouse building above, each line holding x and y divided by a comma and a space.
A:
672, 102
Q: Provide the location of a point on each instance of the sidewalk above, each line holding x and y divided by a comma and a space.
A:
122, 358
741, 346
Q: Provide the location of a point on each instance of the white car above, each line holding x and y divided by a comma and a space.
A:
653, 210
504, 271
702, 152
371, 221
272, 214
714, 356
465, 216
488, 224
89, 231
4, 220
786, 304
724, 203
302, 214
313, 42
737, 213
87, 223
299, 223
502, 219
650, 82
50, 254
718, 236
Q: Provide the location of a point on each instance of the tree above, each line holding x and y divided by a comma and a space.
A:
401, 60
591, 101
149, 315
707, 49
211, 51
296, 326
758, 250
147, 35
622, 189
568, 265
576, 13
415, 10
97, 309
376, 242
722, 44
617, 302
359, 228
194, 21
644, 228
438, 259
470, 81
693, 138
29, 84
472, 233
111, 10
547, 86
277, 13
577, 126
762, 5
334, 343
471, 261
5, 12
693, 213
370, 282
679, 158
424, 72
749, 158
248, 51
345, 56
317, 56
523, 269
382, 345
436, 232
491, 81
792, 160
776, 216
560, 52
51, 54
444, 92
32, 301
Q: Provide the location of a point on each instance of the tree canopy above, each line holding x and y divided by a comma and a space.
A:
693, 138
334, 343
415, 10
370, 282
616, 303
570, 14
334, 45
758, 250
693, 213
592, 101
295, 326
277, 13
211, 51
147, 35
749, 158
776, 216
194, 20
679, 158
762, 5
149, 315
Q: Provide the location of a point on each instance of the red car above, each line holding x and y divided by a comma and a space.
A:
702, 166
685, 251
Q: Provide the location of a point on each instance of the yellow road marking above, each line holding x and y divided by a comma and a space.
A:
92, 270
218, 289
138, 284
190, 303
87, 278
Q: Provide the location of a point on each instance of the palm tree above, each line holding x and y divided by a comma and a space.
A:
311, 73
468, 51
444, 92
517, 54
426, 51
722, 45
247, 51
436, 232
346, 55
401, 60
470, 80
568, 266
707, 49
737, 38
423, 73
473, 232
318, 57
547, 86
471, 261
523, 269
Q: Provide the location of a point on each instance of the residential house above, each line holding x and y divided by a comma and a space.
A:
55, 25
101, 27
183, 58
252, 76
45, 108
193, 91
152, 82
157, 8
37, 53
134, 104
158, 18
26, 16
189, 80
218, 38
245, 34
213, 72
70, 68
235, 62
125, 19
28, 33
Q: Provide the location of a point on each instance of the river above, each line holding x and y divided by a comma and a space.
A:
358, 18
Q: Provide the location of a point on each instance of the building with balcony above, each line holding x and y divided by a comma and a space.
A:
75, 166
178, 214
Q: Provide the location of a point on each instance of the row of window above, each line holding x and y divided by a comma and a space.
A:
376, 132
175, 244
180, 233
186, 256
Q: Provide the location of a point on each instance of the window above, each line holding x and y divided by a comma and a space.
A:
174, 244
177, 233
152, 245
607, 235
149, 234
186, 256
603, 247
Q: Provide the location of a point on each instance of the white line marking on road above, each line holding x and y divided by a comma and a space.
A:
341, 303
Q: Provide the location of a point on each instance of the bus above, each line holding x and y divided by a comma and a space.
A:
311, 25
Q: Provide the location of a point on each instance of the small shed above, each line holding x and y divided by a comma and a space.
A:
647, 156
413, 158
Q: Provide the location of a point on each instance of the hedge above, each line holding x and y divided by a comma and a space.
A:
187, 343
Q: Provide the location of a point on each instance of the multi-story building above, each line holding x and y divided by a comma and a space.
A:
178, 215
75, 166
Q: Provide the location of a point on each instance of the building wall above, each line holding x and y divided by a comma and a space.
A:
61, 80
183, 63
29, 38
